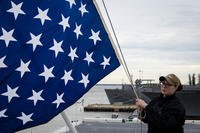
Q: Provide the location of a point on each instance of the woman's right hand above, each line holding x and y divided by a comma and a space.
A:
141, 104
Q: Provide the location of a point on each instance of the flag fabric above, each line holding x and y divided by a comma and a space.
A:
51, 53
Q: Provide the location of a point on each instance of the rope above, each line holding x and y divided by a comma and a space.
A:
123, 59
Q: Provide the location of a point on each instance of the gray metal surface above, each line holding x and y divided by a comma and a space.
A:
115, 127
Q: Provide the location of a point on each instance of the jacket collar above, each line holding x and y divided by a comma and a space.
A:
167, 97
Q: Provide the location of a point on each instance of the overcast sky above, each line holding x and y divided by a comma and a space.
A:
157, 37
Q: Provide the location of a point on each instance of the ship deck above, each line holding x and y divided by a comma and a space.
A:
117, 127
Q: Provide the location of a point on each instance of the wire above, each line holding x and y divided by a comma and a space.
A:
123, 59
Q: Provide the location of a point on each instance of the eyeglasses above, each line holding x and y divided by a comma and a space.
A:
164, 84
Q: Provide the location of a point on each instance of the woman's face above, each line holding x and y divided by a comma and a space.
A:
167, 89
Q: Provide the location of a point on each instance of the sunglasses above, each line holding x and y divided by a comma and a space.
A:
165, 84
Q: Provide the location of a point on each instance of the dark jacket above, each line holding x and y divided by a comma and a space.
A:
164, 115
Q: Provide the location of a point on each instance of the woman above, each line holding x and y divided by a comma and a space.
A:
164, 114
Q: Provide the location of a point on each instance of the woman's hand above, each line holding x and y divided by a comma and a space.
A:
141, 104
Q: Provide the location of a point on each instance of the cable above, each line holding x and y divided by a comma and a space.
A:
123, 59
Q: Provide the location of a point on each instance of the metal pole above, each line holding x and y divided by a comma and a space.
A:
68, 122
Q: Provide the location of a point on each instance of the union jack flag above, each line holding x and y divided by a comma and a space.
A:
51, 53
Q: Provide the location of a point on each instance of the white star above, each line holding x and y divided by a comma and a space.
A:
16, 9
2, 113
35, 41
47, 73
105, 62
67, 76
23, 68
36, 96
2, 65
42, 15
71, 2
82, 9
64, 22
56, 47
7, 36
78, 31
88, 58
84, 80
25, 118
10, 93
72, 53
59, 100
95, 37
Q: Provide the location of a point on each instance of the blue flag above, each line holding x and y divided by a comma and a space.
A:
51, 53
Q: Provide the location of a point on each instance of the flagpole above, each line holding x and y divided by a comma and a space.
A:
72, 129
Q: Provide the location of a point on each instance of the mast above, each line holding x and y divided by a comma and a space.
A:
190, 80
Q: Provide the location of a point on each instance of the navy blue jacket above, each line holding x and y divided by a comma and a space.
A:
164, 115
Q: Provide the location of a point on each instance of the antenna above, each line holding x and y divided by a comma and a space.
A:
140, 73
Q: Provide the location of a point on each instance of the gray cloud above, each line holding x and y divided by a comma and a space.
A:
158, 36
